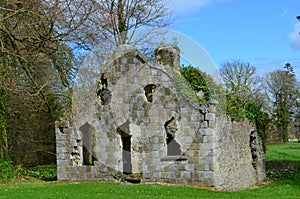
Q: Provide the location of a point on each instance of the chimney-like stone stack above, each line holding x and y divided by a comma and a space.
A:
168, 56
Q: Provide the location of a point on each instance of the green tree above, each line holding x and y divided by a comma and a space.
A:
283, 91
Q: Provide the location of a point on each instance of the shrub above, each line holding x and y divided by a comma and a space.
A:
44, 172
9, 171
283, 173
119, 176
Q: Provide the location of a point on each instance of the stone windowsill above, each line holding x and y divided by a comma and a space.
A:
174, 158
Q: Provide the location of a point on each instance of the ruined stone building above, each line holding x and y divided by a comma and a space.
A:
148, 126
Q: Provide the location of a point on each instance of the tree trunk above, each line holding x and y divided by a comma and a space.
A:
121, 23
3, 136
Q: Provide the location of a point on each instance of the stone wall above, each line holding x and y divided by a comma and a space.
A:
240, 156
70, 159
144, 123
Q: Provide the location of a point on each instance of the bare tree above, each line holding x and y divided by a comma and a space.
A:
239, 77
241, 83
244, 90
121, 18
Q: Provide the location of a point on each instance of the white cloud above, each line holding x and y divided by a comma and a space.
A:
295, 37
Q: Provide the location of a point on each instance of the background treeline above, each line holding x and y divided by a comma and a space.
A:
271, 102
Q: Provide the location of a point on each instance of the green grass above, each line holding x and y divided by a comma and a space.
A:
281, 188
284, 152
283, 161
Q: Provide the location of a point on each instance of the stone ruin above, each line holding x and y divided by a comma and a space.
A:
149, 129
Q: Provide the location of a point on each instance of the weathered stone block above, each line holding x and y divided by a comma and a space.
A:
192, 160
199, 167
88, 168
206, 131
167, 168
212, 124
64, 124
188, 140
197, 174
212, 109
63, 162
185, 174
170, 175
156, 174
190, 167
204, 124
210, 116
207, 182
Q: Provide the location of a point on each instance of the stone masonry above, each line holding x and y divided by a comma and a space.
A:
147, 126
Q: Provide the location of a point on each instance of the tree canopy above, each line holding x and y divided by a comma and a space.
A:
41, 43
283, 92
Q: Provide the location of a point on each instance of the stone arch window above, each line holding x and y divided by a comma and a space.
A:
149, 90
173, 147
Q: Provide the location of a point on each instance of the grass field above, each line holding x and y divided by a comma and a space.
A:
281, 188
284, 152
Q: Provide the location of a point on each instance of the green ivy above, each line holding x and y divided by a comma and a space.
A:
197, 79
183, 87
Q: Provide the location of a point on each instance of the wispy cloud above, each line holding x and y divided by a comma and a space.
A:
283, 13
295, 37
184, 7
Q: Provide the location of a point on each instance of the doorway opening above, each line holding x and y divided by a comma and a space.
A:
123, 130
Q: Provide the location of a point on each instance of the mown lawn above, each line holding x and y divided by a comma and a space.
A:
284, 152
281, 188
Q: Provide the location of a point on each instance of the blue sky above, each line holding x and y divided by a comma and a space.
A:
264, 33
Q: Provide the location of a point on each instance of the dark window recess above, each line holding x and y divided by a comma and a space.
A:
88, 142
173, 147
149, 90
102, 91
61, 129
140, 59
105, 96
